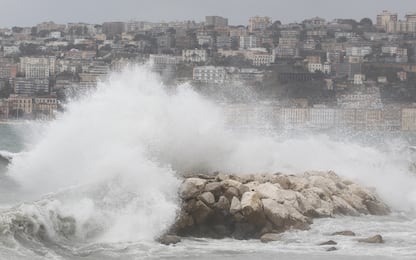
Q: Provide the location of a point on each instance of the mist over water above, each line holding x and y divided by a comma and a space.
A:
112, 160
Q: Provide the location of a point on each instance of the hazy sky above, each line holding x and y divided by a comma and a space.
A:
31, 12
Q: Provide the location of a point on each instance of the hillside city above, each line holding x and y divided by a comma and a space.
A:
318, 74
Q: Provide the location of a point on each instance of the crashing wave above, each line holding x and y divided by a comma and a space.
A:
6, 157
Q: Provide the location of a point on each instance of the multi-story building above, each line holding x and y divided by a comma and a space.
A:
385, 18
113, 28
359, 79
211, 74
4, 109
50, 26
20, 105
409, 119
259, 23
323, 67
37, 67
359, 51
44, 107
30, 87
216, 21
322, 118
248, 42
163, 59
223, 41
8, 70
294, 117
288, 46
262, 59
314, 22
195, 55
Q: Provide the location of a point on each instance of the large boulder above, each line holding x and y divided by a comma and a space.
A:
252, 208
251, 203
376, 207
235, 206
275, 212
223, 204
207, 197
201, 212
191, 188
342, 207
215, 188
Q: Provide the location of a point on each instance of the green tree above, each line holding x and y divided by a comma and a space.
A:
366, 22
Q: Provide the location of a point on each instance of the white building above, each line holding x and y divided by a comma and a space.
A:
10, 50
324, 68
313, 67
385, 18
248, 42
195, 55
211, 74
37, 67
262, 59
161, 59
359, 51
322, 118
259, 23
294, 117
359, 79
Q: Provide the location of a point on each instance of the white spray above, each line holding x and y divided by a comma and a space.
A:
127, 141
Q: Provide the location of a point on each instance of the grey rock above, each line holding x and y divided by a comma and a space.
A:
344, 233
377, 239
328, 243
270, 237
332, 249
207, 197
169, 240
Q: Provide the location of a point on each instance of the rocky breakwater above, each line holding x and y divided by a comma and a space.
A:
251, 206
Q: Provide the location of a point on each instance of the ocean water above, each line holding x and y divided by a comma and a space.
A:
100, 181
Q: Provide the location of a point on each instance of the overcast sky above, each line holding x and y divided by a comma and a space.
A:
31, 12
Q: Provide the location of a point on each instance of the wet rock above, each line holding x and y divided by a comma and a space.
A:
326, 184
183, 221
377, 208
270, 237
275, 212
252, 208
241, 188
283, 181
222, 177
268, 191
251, 203
342, 207
258, 204
207, 197
377, 239
235, 206
328, 243
201, 212
191, 188
344, 233
231, 192
297, 183
169, 240
223, 204
214, 188
332, 249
